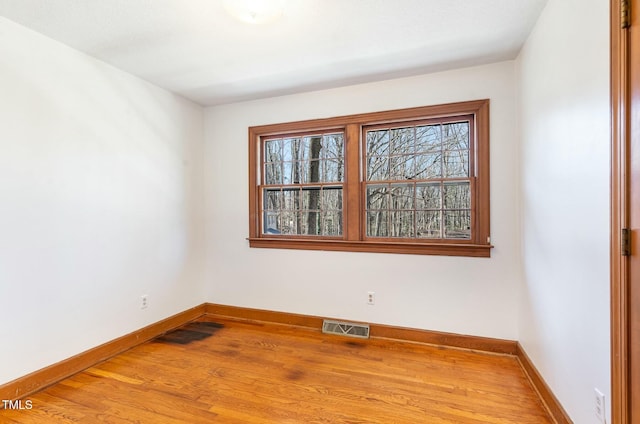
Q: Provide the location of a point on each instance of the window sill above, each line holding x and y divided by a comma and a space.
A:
439, 249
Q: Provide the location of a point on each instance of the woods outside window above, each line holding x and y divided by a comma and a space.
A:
404, 181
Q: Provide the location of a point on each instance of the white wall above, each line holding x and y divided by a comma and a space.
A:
564, 313
461, 295
100, 193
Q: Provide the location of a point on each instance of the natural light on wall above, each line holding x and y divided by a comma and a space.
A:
255, 11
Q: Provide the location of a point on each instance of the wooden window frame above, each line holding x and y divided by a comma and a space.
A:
297, 185
353, 238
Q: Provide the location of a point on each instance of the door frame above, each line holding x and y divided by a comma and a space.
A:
620, 155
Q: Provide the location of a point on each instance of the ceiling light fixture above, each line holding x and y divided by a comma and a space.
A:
254, 11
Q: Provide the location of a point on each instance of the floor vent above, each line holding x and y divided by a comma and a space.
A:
346, 329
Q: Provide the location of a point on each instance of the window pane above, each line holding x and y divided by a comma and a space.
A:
428, 224
456, 136
377, 225
331, 199
377, 168
428, 166
377, 197
272, 200
313, 170
273, 150
457, 224
291, 199
311, 223
457, 196
401, 167
314, 148
288, 149
288, 222
428, 196
410, 173
333, 146
294, 149
428, 138
295, 172
401, 141
287, 173
273, 173
456, 163
332, 223
271, 223
378, 143
402, 197
401, 224
331, 170
300, 172
304, 147
310, 199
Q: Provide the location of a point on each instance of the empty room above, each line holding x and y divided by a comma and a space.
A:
314, 211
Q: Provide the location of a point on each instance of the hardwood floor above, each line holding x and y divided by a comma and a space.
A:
239, 372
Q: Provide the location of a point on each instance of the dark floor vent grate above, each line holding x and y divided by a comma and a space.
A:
346, 329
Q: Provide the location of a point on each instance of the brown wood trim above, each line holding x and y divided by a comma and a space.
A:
44, 377
619, 62
378, 331
444, 249
435, 111
352, 204
550, 401
483, 344
262, 315
254, 160
483, 196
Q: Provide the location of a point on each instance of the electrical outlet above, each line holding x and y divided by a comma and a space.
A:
371, 298
144, 301
599, 406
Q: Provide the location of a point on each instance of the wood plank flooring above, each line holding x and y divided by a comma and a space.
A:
241, 372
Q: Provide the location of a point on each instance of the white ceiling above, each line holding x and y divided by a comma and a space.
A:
194, 48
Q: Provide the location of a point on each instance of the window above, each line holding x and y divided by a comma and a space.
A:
302, 184
403, 181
